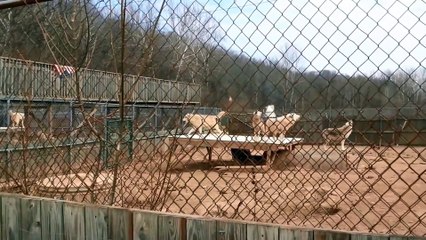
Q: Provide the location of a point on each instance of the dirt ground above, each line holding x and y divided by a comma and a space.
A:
361, 189
380, 190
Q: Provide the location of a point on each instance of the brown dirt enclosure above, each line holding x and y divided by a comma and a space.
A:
367, 189
362, 189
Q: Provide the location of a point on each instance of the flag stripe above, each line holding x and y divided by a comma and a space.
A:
61, 70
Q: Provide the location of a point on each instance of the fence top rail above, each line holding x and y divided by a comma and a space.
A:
26, 62
136, 217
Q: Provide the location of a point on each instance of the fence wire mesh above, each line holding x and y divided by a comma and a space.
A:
306, 113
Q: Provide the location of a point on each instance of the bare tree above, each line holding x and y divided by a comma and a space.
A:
68, 32
290, 63
406, 85
196, 30
5, 24
419, 77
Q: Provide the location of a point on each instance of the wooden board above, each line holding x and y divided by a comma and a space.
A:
231, 231
10, 218
120, 224
371, 237
171, 227
52, 220
296, 234
145, 225
73, 221
201, 229
31, 218
397, 238
96, 222
329, 235
262, 232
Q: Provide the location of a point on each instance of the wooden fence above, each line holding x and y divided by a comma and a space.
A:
27, 217
35, 80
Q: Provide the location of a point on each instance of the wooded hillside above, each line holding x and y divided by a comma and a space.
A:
183, 42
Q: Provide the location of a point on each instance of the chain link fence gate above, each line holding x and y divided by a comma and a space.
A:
102, 101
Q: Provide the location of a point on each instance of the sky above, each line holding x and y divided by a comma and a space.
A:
348, 36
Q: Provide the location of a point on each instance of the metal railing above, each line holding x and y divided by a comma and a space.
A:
36, 80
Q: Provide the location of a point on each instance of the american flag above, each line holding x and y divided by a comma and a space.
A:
63, 71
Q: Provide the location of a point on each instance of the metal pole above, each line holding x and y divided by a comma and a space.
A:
104, 143
381, 132
71, 116
133, 112
156, 121
7, 164
71, 128
50, 119
132, 131
7, 112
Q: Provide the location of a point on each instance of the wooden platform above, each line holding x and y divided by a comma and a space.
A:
16, 129
236, 141
269, 144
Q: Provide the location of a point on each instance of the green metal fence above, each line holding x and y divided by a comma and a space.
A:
20, 79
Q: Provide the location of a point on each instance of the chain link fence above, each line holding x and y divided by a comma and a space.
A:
306, 113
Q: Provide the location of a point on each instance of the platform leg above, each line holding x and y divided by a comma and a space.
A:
209, 153
270, 158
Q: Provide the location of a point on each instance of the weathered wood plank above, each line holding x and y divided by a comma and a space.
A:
171, 227
356, 236
1, 216
296, 234
263, 232
330, 235
201, 229
24, 217
31, 218
231, 231
10, 218
52, 220
120, 224
145, 226
73, 221
399, 238
96, 222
